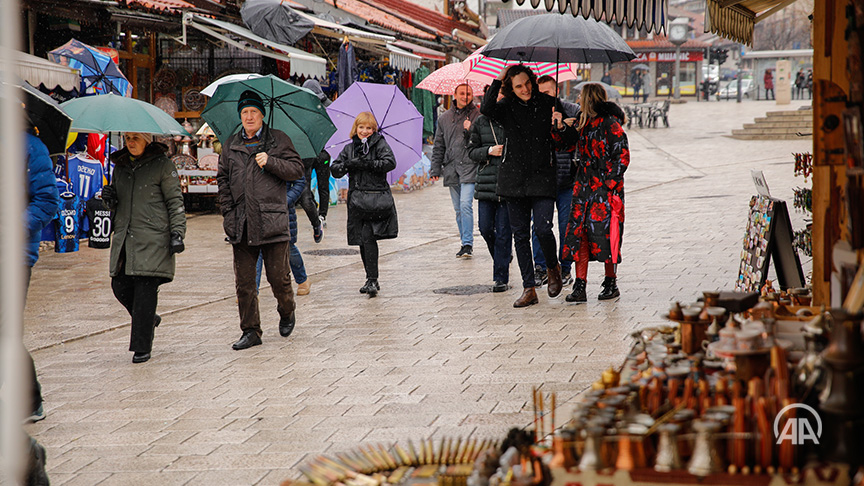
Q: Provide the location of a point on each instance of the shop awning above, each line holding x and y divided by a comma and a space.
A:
647, 14
403, 60
332, 29
735, 19
302, 63
421, 51
36, 71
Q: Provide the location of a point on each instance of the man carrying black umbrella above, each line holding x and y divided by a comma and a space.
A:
254, 166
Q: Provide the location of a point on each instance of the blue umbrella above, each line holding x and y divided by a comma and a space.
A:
99, 73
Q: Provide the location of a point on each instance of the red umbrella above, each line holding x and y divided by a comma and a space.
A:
445, 80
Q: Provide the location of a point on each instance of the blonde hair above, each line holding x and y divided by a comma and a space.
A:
364, 118
592, 95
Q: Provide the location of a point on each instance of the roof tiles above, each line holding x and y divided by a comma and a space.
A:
380, 17
159, 6
422, 15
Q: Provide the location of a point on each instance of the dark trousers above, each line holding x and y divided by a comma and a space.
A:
139, 296
562, 203
322, 174
520, 212
494, 224
767, 90
307, 202
276, 264
369, 250
35, 387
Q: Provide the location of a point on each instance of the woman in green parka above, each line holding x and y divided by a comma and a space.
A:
149, 227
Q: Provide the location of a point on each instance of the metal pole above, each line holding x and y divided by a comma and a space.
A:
738, 65
11, 252
677, 94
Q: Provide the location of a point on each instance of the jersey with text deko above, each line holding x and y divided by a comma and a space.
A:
85, 175
67, 223
99, 218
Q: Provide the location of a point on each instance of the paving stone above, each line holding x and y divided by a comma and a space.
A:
409, 364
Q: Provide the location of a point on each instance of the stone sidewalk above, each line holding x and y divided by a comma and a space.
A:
409, 364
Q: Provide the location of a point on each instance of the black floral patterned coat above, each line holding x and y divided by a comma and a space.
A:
597, 211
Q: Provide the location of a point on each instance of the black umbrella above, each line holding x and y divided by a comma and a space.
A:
51, 122
558, 38
275, 21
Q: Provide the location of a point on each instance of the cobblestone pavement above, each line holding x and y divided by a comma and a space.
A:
410, 364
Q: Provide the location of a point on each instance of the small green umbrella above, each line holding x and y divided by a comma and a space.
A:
296, 111
112, 113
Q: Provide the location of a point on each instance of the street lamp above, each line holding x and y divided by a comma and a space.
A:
678, 32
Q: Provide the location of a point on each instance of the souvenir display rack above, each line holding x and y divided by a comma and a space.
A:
708, 415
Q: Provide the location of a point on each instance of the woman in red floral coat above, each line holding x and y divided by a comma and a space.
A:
597, 212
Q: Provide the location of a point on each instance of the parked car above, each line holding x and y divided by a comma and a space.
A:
730, 89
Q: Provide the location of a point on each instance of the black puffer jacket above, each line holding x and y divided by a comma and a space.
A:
485, 133
529, 168
367, 172
564, 158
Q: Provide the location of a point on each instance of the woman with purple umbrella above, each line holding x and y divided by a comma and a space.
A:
371, 210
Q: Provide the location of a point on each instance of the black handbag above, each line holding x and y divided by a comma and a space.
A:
371, 205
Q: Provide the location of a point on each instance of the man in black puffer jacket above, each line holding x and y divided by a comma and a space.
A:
485, 147
565, 191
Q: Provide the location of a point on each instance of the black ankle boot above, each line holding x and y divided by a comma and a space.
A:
370, 288
610, 289
578, 295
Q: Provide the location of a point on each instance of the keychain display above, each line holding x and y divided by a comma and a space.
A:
803, 164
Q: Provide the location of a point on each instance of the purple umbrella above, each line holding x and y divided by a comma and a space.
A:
398, 121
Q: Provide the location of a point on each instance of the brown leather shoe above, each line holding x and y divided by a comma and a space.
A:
529, 297
555, 283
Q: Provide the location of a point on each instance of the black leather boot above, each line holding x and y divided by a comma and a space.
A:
370, 288
578, 295
610, 289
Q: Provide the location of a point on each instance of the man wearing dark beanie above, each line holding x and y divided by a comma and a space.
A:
254, 166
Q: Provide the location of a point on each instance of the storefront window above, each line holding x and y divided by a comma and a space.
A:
666, 73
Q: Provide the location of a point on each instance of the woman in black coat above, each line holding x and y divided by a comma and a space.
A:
485, 146
526, 177
371, 211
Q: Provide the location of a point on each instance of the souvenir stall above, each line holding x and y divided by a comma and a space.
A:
737, 388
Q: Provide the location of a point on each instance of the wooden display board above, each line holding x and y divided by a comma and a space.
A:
768, 235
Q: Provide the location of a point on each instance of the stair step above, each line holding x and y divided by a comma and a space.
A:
784, 119
790, 113
761, 130
780, 124
769, 137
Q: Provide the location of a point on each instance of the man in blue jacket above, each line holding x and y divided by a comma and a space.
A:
43, 202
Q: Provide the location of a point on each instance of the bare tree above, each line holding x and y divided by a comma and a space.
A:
786, 29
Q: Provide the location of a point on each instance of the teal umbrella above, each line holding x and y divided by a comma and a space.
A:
296, 111
112, 113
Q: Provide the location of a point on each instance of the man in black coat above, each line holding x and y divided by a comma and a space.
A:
564, 179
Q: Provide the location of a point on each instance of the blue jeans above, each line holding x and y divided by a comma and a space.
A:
562, 203
521, 211
294, 259
494, 224
463, 203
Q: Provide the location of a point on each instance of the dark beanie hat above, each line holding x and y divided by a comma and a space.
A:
250, 98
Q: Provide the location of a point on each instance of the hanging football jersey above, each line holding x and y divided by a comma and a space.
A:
67, 223
99, 219
85, 175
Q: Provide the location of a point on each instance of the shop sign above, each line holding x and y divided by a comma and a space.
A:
685, 56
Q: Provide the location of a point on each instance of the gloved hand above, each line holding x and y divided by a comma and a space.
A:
176, 245
109, 196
